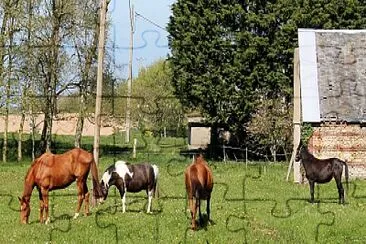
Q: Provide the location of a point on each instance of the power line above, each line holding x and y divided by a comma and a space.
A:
150, 21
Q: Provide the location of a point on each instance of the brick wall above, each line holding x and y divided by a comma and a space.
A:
346, 142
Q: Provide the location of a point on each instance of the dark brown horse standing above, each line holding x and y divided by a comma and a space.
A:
322, 170
50, 172
199, 184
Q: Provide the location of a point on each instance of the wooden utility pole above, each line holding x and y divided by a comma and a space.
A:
296, 117
129, 82
98, 102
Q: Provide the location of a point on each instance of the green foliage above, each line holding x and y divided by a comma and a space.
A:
110, 102
306, 132
154, 106
228, 55
271, 126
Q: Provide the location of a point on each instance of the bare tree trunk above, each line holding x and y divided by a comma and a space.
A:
31, 84
51, 77
273, 149
98, 102
42, 146
20, 136
83, 86
2, 41
8, 85
6, 119
80, 122
33, 132
2, 58
5, 144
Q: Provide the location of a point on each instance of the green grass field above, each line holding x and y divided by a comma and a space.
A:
250, 203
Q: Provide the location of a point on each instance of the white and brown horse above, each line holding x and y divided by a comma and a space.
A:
130, 178
199, 184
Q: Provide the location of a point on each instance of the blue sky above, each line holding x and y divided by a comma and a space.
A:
150, 41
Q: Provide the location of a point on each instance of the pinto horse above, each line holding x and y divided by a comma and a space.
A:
130, 178
322, 170
199, 184
50, 172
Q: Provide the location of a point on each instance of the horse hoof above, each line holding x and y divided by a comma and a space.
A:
47, 221
76, 215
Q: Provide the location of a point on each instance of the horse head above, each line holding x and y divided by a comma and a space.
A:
104, 190
24, 209
299, 149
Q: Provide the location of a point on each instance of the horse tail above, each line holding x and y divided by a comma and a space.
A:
156, 176
198, 189
97, 191
346, 173
196, 185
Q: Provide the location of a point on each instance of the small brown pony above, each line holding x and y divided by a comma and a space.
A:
50, 172
199, 184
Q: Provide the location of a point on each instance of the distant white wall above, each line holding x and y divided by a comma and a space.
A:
308, 76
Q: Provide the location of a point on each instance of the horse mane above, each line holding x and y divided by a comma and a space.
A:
29, 176
198, 158
29, 180
308, 155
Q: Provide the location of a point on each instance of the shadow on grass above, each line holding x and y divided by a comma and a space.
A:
203, 222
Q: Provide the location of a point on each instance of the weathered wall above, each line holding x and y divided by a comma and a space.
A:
347, 142
63, 124
199, 133
341, 61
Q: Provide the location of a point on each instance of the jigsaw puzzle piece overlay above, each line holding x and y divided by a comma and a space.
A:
349, 228
267, 215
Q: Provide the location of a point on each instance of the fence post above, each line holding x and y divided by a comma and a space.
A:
223, 149
246, 157
296, 117
134, 148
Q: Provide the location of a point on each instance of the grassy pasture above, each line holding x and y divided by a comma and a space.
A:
249, 204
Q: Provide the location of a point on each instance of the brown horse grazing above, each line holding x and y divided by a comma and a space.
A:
199, 184
50, 172
322, 170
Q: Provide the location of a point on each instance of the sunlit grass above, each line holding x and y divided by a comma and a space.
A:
250, 204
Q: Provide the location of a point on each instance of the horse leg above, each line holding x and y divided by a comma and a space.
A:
340, 190
86, 197
193, 207
81, 196
44, 193
198, 201
122, 192
150, 195
208, 209
41, 206
311, 184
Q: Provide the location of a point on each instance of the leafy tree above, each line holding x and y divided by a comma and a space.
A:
154, 106
53, 51
271, 125
227, 56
